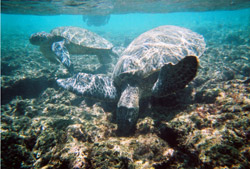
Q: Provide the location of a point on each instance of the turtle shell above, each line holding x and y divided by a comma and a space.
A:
157, 47
82, 37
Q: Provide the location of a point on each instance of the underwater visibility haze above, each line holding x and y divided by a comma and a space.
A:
125, 84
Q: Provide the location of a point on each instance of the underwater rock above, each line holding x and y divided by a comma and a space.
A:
7, 68
65, 135
145, 125
207, 96
28, 77
13, 151
30, 88
234, 38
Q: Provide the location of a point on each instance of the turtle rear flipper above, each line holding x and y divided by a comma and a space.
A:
174, 77
91, 86
62, 54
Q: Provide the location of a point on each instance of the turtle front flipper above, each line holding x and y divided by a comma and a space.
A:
91, 86
62, 54
127, 110
174, 77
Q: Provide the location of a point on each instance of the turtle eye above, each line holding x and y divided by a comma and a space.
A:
39, 38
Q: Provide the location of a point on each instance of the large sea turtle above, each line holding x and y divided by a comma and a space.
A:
63, 41
158, 62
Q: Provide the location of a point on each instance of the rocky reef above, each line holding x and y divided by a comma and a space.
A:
206, 125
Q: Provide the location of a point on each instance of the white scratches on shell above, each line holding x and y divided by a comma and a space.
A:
159, 46
82, 37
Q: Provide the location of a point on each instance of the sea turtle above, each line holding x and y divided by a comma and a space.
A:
63, 41
157, 63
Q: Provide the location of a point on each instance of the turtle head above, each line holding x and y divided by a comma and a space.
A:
40, 38
128, 109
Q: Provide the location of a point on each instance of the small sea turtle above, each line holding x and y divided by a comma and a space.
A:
63, 41
158, 62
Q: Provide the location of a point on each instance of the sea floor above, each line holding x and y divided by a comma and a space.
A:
206, 125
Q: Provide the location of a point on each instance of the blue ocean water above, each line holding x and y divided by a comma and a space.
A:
126, 23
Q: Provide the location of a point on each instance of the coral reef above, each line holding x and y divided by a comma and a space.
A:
206, 125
